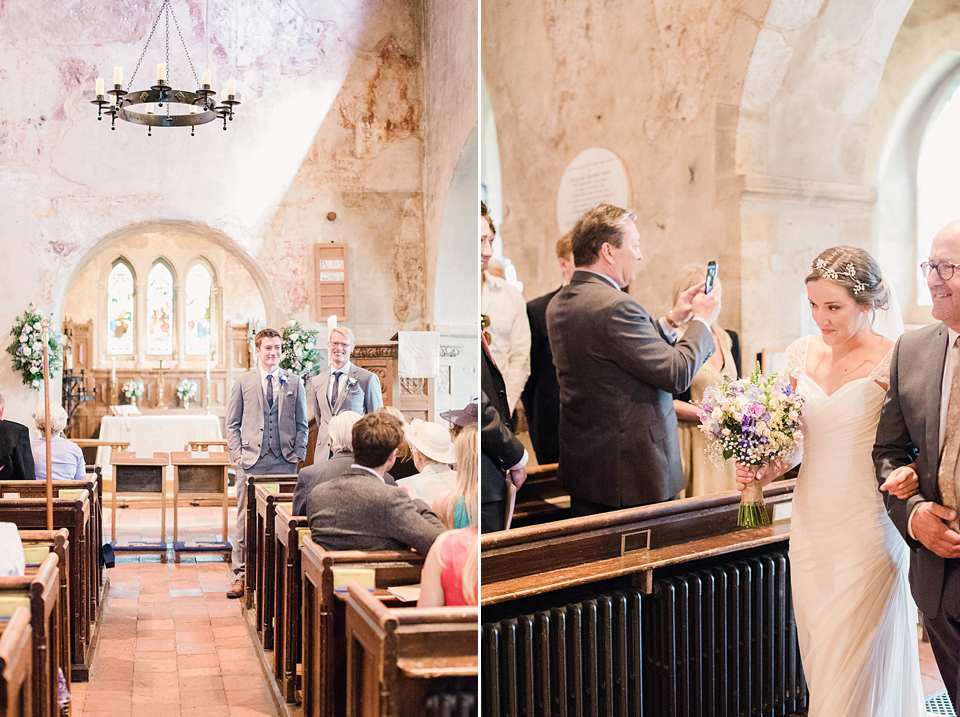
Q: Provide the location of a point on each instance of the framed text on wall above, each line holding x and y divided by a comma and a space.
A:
331, 282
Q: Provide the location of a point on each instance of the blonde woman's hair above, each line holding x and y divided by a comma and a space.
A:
466, 450
403, 450
58, 419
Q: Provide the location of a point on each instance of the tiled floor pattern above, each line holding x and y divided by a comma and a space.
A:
171, 643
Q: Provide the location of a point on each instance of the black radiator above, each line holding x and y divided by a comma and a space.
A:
716, 641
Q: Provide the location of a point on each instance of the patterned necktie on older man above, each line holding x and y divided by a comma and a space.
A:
947, 474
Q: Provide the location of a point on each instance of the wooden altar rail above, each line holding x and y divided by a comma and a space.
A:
254, 566
74, 515
16, 665
40, 592
71, 489
91, 446
397, 656
324, 616
289, 531
635, 541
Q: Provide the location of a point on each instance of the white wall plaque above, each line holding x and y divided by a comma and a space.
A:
594, 176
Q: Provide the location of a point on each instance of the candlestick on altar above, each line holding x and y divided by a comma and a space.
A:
208, 386
160, 398
45, 337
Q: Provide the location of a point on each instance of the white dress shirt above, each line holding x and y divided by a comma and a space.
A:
509, 333
370, 471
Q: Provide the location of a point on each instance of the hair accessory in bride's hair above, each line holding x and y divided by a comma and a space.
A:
848, 271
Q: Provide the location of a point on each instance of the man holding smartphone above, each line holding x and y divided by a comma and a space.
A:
618, 370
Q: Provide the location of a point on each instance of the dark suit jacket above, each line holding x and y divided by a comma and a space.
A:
357, 511
618, 376
541, 395
734, 370
315, 474
908, 431
16, 458
499, 448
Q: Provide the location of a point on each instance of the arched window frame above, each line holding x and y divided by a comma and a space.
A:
174, 313
122, 260
214, 304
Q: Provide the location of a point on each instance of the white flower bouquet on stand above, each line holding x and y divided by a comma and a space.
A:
26, 348
755, 421
133, 390
186, 390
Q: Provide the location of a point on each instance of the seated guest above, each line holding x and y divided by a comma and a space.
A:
342, 458
449, 576
458, 508
404, 466
703, 478
67, 462
432, 453
358, 511
16, 459
466, 416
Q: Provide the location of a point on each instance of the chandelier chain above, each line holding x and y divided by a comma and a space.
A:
145, 46
167, 3
185, 51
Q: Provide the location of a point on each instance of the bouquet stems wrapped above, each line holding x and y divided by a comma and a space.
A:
756, 421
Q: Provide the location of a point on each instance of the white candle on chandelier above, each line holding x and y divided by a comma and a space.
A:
99, 87
194, 109
149, 108
113, 100
223, 97
206, 78
118, 75
162, 72
231, 86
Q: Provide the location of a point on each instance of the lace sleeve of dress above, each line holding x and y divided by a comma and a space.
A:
881, 372
795, 358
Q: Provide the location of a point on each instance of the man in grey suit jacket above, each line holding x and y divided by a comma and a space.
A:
266, 430
911, 437
358, 511
341, 387
618, 369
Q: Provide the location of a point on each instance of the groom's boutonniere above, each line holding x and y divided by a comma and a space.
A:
283, 376
351, 382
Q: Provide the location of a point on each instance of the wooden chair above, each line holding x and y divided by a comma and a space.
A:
324, 689
285, 483
40, 592
138, 476
289, 531
74, 515
200, 476
397, 656
16, 665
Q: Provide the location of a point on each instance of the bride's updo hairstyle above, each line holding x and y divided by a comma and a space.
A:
856, 271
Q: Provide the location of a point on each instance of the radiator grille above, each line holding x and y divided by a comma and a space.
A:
711, 642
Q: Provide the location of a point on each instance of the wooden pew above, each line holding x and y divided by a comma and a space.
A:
74, 515
663, 609
397, 656
289, 531
16, 665
40, 592
542, 498
324, 616
266, 497
286, 482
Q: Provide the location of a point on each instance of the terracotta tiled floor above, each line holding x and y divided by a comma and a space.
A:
171, 643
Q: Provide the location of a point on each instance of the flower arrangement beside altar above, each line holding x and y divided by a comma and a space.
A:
27, 348
754, 420
186, 390
133, 390
300, 353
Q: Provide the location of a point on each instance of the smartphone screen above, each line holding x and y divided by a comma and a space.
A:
711, 276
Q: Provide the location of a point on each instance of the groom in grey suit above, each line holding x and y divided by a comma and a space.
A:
266, 430
915, 435
618, 369
341, 387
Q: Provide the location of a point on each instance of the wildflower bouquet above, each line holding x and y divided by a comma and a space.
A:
133, 389
186, 389
27, 348
754, 420
300, 353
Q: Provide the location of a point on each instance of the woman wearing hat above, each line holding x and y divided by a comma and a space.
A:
432, 454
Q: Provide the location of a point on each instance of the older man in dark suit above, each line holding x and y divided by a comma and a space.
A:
16, 458
618, 369
358, 511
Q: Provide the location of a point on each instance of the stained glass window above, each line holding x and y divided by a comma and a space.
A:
120, 330
198, 310
160, 310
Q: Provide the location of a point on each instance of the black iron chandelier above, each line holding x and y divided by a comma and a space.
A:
174, 108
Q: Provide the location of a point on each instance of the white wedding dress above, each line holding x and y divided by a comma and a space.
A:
856, 619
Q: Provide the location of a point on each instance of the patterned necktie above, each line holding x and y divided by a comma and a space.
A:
947, 474
270, 390
336, 389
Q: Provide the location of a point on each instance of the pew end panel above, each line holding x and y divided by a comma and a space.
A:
285, 483
16, 665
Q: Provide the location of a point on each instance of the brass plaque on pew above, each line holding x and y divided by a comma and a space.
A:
138, 479
200, 479
635, 542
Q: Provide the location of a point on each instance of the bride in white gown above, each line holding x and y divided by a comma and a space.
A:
856, 620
